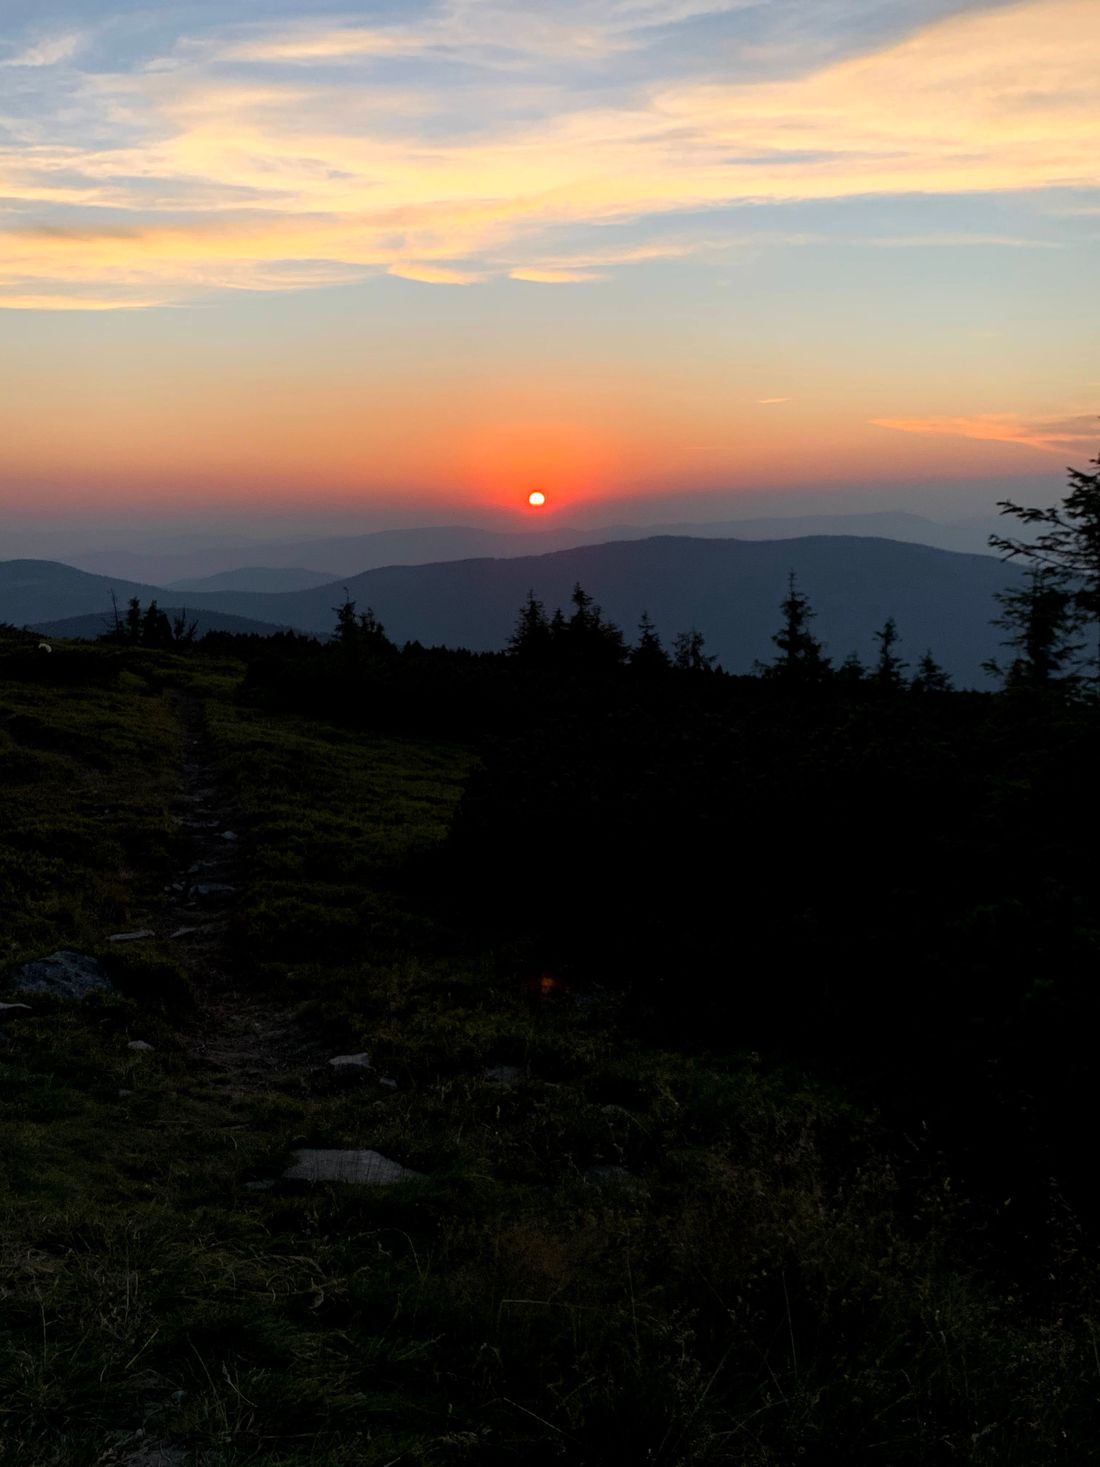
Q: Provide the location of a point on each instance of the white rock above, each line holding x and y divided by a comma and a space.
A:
367, 1168
140, 1046
351, 1061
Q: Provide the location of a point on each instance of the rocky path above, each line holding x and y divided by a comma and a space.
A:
250, 1043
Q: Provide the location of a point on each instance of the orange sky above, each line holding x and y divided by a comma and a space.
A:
605, 250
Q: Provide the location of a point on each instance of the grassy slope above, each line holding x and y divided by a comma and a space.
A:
766, 1287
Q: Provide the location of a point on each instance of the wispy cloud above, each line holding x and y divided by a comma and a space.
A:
47, 52
434, 274
556, 277
229, 171
1052, 435
768, 401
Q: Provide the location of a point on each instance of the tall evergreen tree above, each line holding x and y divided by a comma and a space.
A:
647, 654
531, 638
801, 656
688, 654
1041, 619
889, 666
1068, 548
930, 677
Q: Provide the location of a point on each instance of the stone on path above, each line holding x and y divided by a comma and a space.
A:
63, 974
504, 1075
367, 1168
610, 1176
210, 891
143, 934
351, 1061
157, 1454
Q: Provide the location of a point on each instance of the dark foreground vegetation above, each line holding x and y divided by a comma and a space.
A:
742, 1029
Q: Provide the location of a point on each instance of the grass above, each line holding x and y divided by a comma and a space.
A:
762, 1282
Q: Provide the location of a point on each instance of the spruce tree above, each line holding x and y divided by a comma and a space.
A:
531, 638
1068, 549
889, 667
1041, 619
930, 677
802, 657
648, 655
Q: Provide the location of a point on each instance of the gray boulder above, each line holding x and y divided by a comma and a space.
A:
63, 974
367, 1168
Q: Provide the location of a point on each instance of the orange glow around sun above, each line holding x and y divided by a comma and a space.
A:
536, 499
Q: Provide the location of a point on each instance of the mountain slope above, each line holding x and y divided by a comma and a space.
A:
66, 602
340, 555
729, 589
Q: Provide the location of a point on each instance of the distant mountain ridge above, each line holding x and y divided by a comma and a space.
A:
728, 589
255, 566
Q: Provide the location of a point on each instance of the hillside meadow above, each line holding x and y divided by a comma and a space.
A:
736, 1037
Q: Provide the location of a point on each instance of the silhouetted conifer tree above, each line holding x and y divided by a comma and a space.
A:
889, 667
532, 636
591, 640
851, 671
801, 656
930, 677
648, 654
688, 654
1041, 619
360, 632
1068, 548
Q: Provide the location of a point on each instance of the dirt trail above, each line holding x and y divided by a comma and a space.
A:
250, 1042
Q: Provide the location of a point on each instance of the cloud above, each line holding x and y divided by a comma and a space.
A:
765, 401
47, 52
556, 277
179, 182
434, 274
1050, 435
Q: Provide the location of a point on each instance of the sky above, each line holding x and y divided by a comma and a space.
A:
267, 264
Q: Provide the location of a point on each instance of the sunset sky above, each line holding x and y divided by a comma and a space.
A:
265, 262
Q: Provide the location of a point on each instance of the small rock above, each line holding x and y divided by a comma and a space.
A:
388, 1082
610, 1176
156, 1455
140, 1046
504, 1075
143, 934
210, 891
64, 974
351, 1061
183, 932
230, 835
367, 1168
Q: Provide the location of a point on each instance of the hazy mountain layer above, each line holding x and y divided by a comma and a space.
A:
729, 589
87, 628
256, 578
349, 554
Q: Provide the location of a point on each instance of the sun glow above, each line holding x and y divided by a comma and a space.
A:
536, 499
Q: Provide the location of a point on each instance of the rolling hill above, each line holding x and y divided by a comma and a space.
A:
277, 566
728, 589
